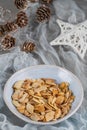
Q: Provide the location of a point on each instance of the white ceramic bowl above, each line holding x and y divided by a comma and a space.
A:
46, 71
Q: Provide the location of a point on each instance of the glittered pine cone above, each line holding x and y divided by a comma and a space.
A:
2, 30
28, 46
22, 19
8, 42
10, 26
46, 1
43, 13
21, 4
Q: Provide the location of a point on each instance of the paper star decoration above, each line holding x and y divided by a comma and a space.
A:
74, 36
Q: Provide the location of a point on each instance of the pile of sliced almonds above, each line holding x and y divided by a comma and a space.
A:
42, 99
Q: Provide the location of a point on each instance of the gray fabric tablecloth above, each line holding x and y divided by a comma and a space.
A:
14, 60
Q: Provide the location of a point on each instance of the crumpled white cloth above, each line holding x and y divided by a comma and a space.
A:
45, 54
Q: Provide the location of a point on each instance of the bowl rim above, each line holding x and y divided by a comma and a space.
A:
44, 123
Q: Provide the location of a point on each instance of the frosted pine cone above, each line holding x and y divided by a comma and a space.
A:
8, 42
21, 4
43, 13
28, 46
2, 30
46, 1
22, 19
10, 26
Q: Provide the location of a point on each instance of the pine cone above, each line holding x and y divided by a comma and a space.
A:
10, 26
21, 4
2, 30
43, 13
22, 19
8, 42
46, 1
28, 46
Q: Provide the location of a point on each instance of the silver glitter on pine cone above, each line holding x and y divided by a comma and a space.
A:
28, 46
2, 30
8, 42
43, 13
10, 26
22, 19
21, 4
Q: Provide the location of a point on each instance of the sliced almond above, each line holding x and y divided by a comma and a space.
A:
59, 99
47, 106
35, 85
21, 110
20, 94
30, 108
26, 113
50, 99
58, 113
21, 100
49, 116
36, 100
30, 92
16, 103
54, 100
40, 108
41, 88
35, 117
18, 84
15, 95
